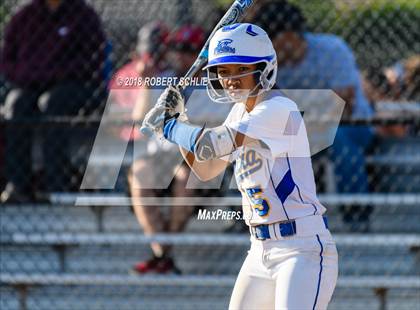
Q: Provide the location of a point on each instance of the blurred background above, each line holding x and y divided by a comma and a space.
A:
98, 241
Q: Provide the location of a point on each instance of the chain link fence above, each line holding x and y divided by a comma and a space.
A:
70, 159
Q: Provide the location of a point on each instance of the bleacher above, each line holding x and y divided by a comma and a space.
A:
54, 256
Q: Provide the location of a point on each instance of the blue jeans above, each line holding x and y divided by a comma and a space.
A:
348, 154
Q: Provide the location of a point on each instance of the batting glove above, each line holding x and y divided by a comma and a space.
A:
169, 105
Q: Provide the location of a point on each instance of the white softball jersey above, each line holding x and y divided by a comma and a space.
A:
277, 184
275, 178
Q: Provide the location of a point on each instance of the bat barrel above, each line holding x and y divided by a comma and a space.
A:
232, 16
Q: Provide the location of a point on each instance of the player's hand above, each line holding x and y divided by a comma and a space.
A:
169, 105
171, 98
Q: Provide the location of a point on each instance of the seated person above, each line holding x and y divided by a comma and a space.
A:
52, 56
156, 158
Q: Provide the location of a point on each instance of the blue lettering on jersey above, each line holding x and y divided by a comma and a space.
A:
249, 163
223, 47
259, 203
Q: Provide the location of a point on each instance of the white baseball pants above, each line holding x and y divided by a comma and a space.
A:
295, 273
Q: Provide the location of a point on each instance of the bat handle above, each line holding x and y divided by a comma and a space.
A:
148, 132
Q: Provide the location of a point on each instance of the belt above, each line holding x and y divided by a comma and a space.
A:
285, 229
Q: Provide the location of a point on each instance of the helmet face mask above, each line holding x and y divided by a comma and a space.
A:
244, 44
222, 94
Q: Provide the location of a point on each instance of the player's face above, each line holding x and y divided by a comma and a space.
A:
237, 79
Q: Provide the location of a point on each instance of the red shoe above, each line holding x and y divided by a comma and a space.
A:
167, 265
158, 265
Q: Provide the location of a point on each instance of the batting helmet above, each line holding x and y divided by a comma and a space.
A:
241, 44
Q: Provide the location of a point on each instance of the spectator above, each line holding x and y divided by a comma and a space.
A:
161, 157
412, 83
53, 55
148, 60
378, 88
324, 61
399, 83
404, 78
3, 92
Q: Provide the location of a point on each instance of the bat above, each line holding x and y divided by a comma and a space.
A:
233, 15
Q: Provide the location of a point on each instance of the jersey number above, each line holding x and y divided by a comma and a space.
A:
260, 204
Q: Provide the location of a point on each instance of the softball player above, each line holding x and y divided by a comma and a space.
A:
292, 262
